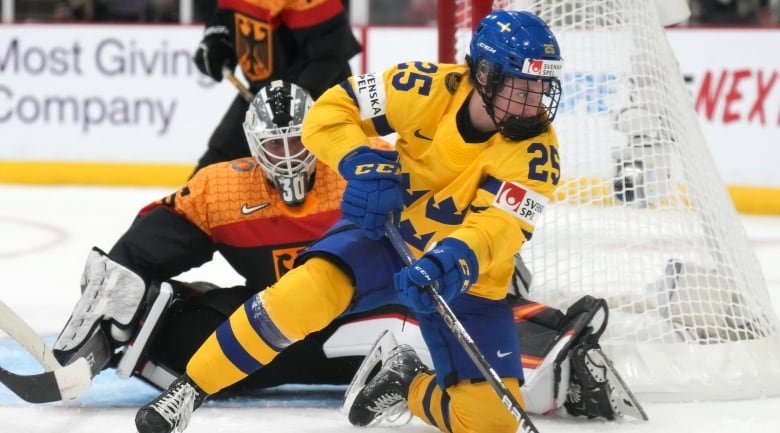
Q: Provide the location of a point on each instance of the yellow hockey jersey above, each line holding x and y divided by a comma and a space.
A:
488, 194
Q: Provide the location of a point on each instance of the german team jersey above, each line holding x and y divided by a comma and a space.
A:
308, 42
233, 209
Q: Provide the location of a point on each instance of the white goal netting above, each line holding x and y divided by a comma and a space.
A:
642, 217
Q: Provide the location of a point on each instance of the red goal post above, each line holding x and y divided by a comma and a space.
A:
456, 17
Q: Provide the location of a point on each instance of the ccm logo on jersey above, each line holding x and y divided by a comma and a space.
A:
376, 168
370, 95
524, 204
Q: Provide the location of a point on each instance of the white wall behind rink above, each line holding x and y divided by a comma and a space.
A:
128, 93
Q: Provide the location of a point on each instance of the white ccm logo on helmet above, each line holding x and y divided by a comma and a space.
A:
522, 203
542, 68
370, 93
486, 47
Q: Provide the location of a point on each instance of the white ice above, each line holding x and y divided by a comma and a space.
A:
46, 232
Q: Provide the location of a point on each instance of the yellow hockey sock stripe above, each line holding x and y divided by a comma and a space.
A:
232, 349
436, 405
210, 369
428, 402
236, 349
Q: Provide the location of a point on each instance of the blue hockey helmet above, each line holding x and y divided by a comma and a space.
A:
508, 45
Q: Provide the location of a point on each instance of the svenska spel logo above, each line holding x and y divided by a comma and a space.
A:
536, 66
520, 202
510, 197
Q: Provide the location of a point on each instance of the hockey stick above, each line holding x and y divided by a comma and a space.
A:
19, 330
464, 338
57, 382
242, 89
62, 383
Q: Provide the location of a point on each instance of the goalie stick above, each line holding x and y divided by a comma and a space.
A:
463, 337
242, 89
57, 382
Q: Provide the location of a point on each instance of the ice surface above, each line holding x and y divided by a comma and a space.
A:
46, 233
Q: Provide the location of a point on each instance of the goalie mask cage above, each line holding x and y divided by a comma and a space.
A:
641, 217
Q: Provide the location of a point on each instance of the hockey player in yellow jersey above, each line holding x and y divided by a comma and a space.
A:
476, 161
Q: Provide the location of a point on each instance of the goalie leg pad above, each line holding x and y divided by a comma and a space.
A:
188, 317
110, 293
549, 338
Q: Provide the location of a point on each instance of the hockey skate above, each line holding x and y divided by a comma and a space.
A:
383, 398
171, 410
596, 388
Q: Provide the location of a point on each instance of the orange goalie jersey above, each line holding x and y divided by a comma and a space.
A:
247, 221
231, 207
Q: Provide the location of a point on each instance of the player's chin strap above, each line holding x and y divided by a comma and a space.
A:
463, 337
57, 382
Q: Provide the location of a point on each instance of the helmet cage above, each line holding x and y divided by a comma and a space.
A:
489, 83
290, 170
273, 127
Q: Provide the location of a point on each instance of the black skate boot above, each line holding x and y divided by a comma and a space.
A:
596, 389
171, 410
385, 395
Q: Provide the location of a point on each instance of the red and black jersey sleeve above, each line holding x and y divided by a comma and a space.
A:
231, 208
326, 45
161, 244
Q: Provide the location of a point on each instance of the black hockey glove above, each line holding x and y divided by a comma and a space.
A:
215, 51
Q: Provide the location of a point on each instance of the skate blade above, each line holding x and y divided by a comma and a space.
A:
623, 400
378, 354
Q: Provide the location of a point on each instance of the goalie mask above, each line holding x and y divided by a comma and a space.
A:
272, 126
515, 62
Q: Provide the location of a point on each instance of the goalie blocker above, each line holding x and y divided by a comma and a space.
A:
563, 365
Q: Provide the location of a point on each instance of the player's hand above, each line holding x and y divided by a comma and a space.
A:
451, 264
215, 51
373, 188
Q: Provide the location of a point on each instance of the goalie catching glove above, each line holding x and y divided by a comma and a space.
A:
451, 265
373, 188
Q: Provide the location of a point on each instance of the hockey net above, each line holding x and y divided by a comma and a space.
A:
641, 217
